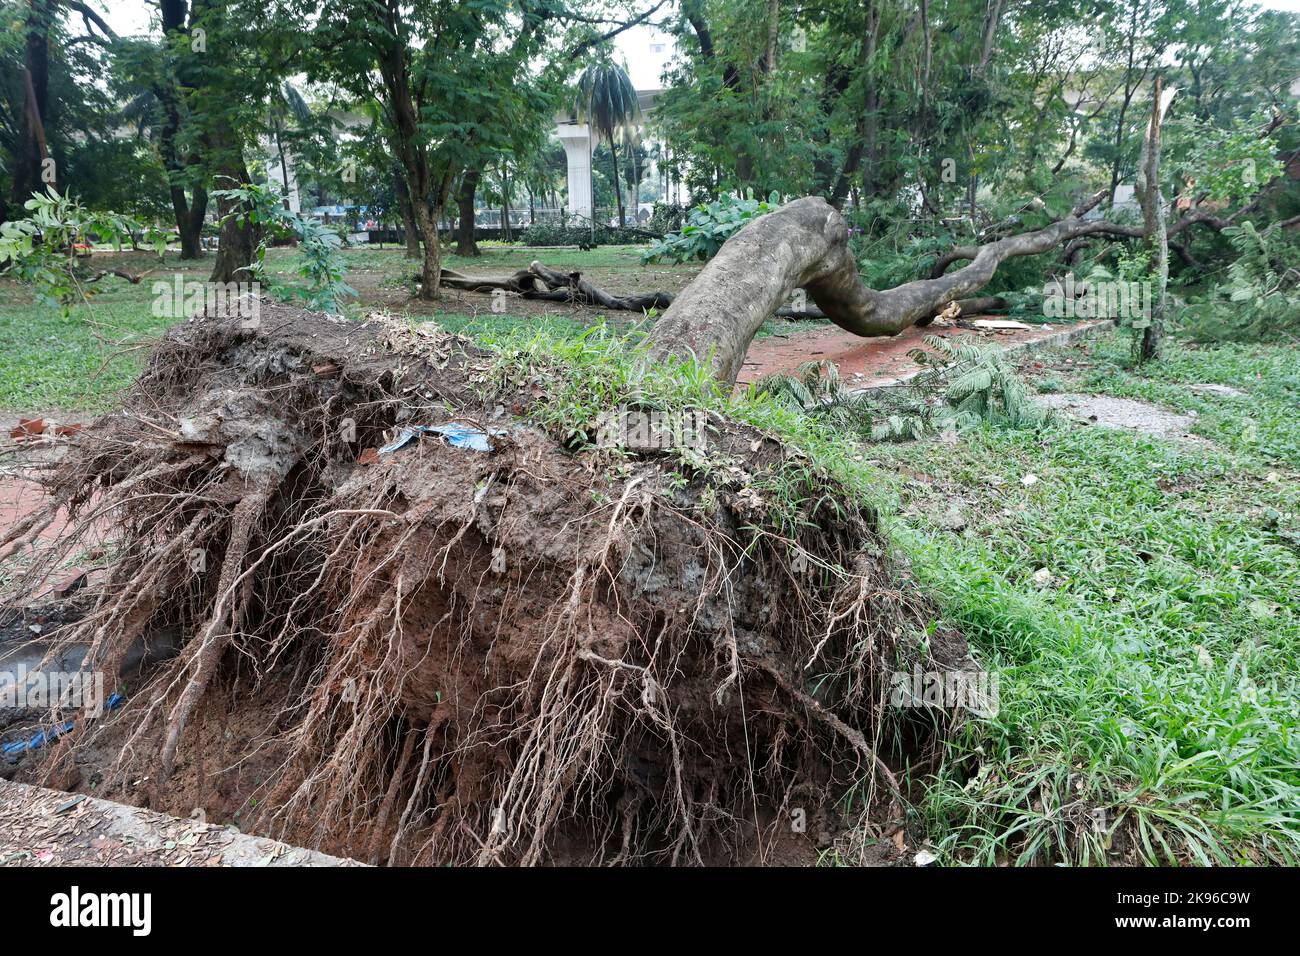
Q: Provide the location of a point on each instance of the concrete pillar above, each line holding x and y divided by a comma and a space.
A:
576, 139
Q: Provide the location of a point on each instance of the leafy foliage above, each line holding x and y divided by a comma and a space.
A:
961, 385
1228, 165
1261, 297
708, 226
320, 261
43, 250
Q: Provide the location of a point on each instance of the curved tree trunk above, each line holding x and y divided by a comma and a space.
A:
804, 244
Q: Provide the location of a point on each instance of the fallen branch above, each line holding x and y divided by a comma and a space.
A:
128, 276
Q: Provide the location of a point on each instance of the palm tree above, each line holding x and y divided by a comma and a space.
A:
287, 105
607, 102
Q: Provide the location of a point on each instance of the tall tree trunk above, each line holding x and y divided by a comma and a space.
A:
773, 32
506, 234
636, 187
431, 270
31, 149
410, 234
189, 212
284, 164
1155, 228
990, 34
189, 221
465, 244
871, 107
239, 239
428, 198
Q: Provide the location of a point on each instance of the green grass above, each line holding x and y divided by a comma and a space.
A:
82, 364
78, 363
1152, 685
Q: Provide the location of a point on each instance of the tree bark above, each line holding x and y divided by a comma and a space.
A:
507, 234
284, 164
551, 285
426, 220
31, 149
465, 243
410, 234
239, 239
189, 211
189, 223
1156, 231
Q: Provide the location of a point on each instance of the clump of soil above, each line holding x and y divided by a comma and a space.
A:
542, 652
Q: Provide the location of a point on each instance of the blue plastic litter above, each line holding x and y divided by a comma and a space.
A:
43, 737
457, 435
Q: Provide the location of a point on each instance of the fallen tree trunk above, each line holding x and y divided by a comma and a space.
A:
551, 285
804, 244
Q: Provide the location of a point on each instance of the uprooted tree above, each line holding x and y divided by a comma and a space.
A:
548, 647
536, 646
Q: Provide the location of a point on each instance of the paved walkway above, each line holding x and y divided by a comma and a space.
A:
869, 363
40, 827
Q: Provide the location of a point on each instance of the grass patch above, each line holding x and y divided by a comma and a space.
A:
1148, 688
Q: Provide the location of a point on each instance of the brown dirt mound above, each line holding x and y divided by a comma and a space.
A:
546, 652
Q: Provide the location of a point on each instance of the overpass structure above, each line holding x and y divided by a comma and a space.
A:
579, 146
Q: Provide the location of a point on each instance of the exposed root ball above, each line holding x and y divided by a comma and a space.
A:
441, 654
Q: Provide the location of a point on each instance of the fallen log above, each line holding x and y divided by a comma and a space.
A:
804, 244
540, 282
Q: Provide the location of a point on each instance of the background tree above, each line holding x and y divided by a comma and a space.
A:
606, 101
